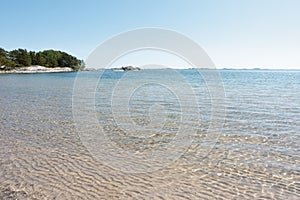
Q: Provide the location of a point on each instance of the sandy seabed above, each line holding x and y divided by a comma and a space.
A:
256, 156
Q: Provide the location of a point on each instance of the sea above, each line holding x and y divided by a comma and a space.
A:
150, 134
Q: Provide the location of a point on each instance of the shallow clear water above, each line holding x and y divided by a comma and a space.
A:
47, 153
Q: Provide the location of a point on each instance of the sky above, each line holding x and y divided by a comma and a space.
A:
234, 33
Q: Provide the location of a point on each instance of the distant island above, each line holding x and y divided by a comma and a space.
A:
23, 61
126, 68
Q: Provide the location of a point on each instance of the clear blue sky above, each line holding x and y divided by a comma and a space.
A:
235, 33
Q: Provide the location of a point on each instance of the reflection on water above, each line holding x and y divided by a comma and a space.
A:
255, 156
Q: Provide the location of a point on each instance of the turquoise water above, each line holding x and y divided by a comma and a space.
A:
255, 155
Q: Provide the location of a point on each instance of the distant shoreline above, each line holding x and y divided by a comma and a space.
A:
42, 69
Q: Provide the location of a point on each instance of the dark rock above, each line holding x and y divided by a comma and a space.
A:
127, 68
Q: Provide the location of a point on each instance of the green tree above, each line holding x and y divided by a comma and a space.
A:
47, 58
3, 53
33, 58
51, 57
21, 57
5, 63
40, 59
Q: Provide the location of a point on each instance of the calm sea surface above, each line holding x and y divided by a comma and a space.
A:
150, 134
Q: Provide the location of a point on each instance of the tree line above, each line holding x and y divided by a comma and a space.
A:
49, 58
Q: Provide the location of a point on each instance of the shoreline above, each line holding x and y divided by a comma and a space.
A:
38, 69
42, 69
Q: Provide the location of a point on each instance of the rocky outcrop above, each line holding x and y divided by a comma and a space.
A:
37, 69
127, 68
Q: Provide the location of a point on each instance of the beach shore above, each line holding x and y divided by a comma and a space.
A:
37, 69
